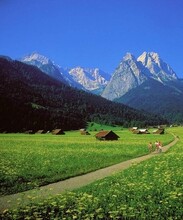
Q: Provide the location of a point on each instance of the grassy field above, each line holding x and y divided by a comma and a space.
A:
28, 161
149, 190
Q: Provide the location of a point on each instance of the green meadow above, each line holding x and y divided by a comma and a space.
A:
28, 161
149, 190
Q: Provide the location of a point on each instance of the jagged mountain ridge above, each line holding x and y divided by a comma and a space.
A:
90, 79
128, 75
147, 83
132, 72
30, 99
157, 67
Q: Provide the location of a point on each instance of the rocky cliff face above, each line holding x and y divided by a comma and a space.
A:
129, 74
158, 68
90, 79
132, 72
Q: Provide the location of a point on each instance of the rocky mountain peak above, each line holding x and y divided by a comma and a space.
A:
36, 58
128, 75
158, 68
128, 56
90, 79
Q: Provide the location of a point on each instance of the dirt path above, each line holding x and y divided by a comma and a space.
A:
23, 198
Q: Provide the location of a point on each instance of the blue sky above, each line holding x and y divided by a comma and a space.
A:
93, 33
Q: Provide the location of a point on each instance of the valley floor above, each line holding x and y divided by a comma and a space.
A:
19, 199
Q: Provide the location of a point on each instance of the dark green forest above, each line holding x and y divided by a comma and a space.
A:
30, 99
155, 97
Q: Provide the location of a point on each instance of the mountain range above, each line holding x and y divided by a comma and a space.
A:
146, 83
88, 79
31, 99
133, 72
37, 93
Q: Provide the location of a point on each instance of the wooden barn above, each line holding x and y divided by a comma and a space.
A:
106, 135
84, 133
133, 129
141, 131
159, 131
58, 132
41, 132
144, 131
136, 131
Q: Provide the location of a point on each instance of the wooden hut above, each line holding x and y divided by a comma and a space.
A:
58, 132
84, 133
136, 131
144, 131
41, 132
159, 131
141, 131
106, 135
133, 129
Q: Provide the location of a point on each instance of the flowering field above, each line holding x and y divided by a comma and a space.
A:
152, 189
28, 161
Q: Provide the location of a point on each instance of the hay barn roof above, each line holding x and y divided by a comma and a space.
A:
58, 131
103, 134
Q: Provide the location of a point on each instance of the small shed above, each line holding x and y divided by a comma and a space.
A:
133, 129
58, 132
84, 133
159, 131
136, 131
143, 131
41, 132
106, 135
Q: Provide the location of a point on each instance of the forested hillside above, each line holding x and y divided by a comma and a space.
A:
157, 98
30, 99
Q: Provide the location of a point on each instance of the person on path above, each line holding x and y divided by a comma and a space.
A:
159, 147
150, 147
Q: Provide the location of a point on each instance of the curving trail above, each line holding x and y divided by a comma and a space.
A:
23, 198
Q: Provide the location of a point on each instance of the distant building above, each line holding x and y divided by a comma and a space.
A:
159, 131
141, 131
84, 133
144, 131
58, 132
41, 132
106, 135
133, 129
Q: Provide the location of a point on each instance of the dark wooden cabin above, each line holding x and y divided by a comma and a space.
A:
41, 132
58, 132
106, 135
84, 133
159, 131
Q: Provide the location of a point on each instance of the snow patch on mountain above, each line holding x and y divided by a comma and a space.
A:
89, 79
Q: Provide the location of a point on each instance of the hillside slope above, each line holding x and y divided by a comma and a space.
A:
147, 83
153, 96
30, 99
